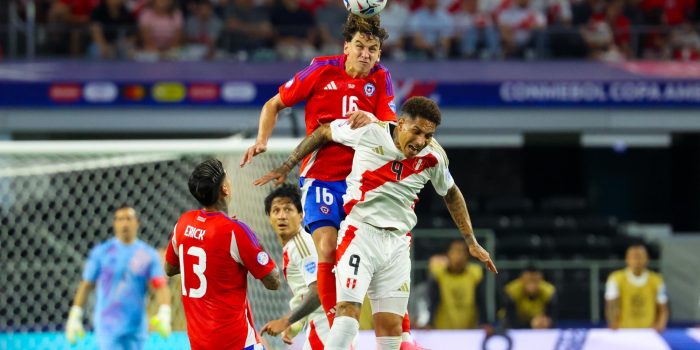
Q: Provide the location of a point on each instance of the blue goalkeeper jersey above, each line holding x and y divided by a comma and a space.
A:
121, 273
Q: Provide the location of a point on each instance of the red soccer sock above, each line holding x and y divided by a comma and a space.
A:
325, 280
406, 324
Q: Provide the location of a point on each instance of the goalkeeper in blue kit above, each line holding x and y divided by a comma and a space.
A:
121, 269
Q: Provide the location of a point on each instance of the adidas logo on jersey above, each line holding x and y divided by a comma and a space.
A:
404, 287
378, 150
331, 86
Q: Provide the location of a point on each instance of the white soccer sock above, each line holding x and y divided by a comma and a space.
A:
343, 332
388, 343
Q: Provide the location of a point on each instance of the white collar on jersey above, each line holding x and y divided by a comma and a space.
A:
637, 281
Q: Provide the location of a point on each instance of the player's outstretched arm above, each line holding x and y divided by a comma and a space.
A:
318, 138
310, 302
460, 215
74, 324
272, 280
268, 119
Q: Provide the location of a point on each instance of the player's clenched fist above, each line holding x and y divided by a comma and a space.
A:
74, 325
253, 151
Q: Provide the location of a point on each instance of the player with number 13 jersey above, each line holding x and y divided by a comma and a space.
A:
214, 253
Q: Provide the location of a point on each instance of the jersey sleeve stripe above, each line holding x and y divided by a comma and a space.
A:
235, 255
440, 151
251, 235
316, 65
301, 246
389, 83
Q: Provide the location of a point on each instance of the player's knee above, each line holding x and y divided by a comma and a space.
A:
387, 324
348, 309
326, 239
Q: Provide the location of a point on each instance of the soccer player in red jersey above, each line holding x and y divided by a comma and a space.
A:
333, 87
214, 254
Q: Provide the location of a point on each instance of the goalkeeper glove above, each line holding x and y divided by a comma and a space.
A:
161, 321
74, 325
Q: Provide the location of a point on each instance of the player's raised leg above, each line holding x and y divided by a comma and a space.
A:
323, 212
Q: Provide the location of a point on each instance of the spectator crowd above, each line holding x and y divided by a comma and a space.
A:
268, 30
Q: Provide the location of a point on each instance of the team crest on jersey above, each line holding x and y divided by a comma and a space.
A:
325, 209
369, 89
310, 267
263, 258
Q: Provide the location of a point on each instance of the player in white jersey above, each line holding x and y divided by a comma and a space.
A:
300, 263
392, 163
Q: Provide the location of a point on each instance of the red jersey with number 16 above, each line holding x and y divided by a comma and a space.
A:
330, 93
215, 254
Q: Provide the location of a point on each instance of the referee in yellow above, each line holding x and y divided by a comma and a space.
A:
635, 297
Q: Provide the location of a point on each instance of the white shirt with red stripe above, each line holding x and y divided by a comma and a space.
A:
383, 185
300, 264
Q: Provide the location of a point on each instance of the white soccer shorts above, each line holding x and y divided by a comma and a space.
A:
375, 262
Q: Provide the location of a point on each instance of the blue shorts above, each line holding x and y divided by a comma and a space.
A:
123, 342
322, 202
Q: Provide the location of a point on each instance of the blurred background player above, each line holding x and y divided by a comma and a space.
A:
530, 301
122, 268
214, 253
333, 87
391, 165
300, 262
455, 290
636, 297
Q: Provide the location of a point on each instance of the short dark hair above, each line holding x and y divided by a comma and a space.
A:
455, 242
205, 181
369, 26
419, 106
124, 206
285, 191
532, 268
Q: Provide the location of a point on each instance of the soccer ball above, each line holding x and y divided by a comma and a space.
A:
365, 8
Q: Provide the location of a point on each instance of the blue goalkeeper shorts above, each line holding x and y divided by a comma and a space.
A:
122, 342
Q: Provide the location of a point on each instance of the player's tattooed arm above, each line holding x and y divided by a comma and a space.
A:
460, 215
272, 280
457, 207
318, 138
312, 142
310, 302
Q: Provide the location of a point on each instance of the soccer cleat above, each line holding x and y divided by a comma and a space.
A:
412, 346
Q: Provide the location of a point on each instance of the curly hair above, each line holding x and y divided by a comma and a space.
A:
419, 106
369, 26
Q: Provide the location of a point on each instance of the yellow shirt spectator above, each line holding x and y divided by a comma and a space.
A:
636, 297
